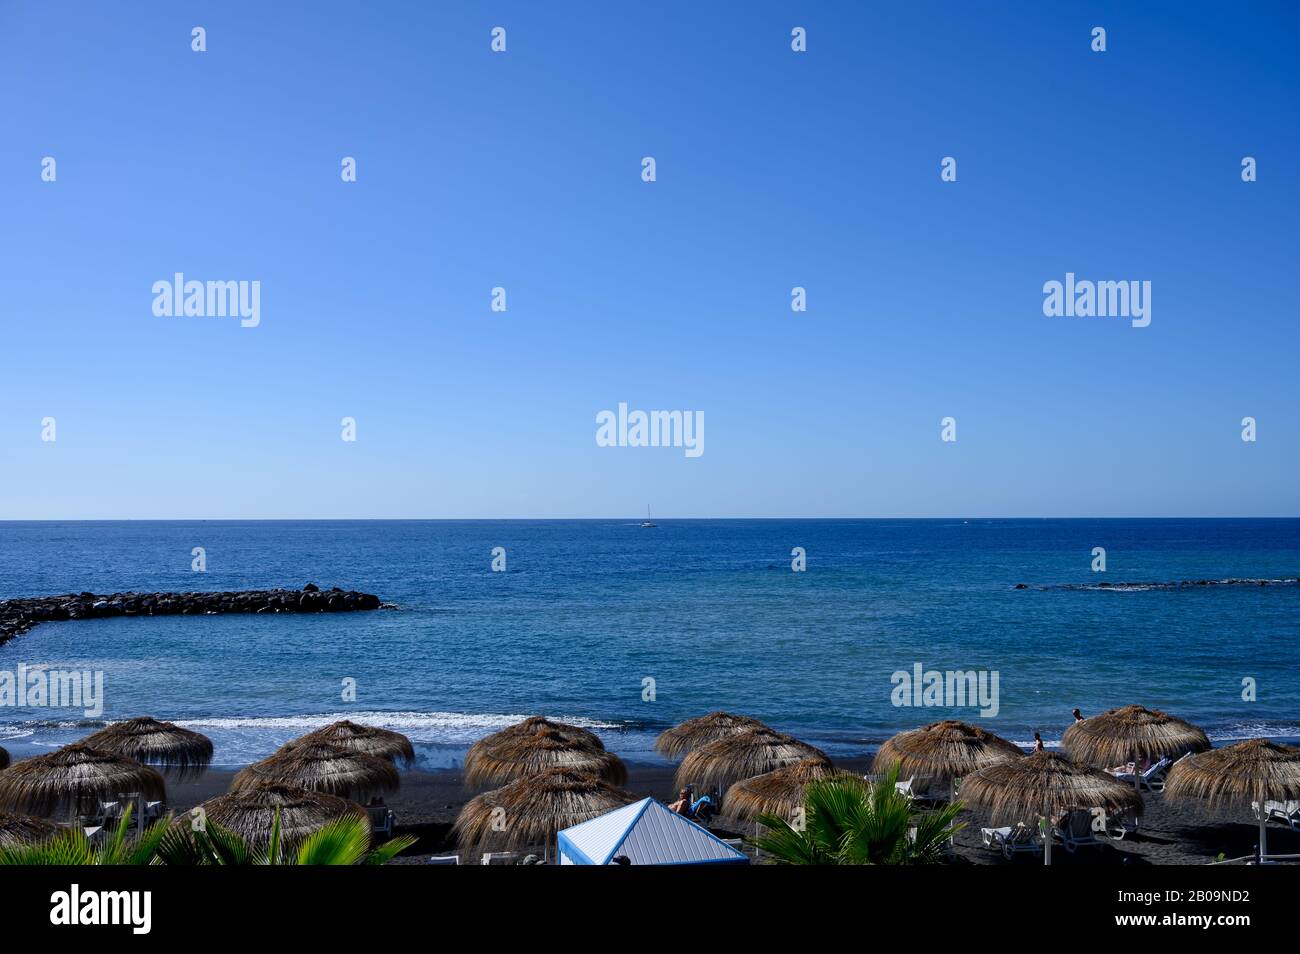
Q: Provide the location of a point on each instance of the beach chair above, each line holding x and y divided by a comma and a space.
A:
1153, 779
905, 788
703, 810
1012, 841
444, 860
1077, 832
381, 821
500, 857
153, 811
1287, 813
109, 812
1121, 824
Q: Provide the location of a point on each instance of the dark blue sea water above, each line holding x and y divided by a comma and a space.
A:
710, 610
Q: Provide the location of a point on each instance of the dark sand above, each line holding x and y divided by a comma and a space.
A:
1168, 833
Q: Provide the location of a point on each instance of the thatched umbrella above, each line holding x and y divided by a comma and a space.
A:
321, 767
532, 810
251, 813
696, 733
1241, 777
943, 751
1128, 734
18, 830
50, 783
522, 754
1045, 784
155, 743
740, 756
361, 738
779, 792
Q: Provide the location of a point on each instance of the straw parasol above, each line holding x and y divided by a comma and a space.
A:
943, 751
695, 733
744, 755
1045, 784
520, 754
779, 792
1242, 777
250, 813
322, 767
1128, 734
361, 738
155, 743
530, 811
18, 830
50, 783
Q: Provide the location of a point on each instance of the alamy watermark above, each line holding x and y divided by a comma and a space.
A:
1088, 299
213, 299
41, 687
952, 689
651, 429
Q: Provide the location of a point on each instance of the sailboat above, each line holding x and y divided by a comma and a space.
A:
647, 525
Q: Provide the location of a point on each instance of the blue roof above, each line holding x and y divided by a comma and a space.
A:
648, 832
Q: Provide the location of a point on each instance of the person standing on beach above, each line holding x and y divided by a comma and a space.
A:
1038, 742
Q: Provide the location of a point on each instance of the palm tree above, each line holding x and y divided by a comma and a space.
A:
72, 847
344, 841
849, 821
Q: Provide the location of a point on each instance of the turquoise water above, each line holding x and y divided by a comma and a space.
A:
710, 610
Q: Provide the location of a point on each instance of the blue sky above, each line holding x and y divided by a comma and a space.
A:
522, 170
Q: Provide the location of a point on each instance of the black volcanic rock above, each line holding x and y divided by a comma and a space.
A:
19, 616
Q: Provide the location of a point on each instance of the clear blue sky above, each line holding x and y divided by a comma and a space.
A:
522, 170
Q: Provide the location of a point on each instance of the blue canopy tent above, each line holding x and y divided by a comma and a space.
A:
647, 832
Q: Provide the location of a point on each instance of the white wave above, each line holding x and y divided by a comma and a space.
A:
412, 721
1255, 730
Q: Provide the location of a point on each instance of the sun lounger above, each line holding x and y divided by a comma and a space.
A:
381, 820
1077, 832
444, 860
1153, 779
1287, 813
905, 788
1012, 841
500, 857
1121, 824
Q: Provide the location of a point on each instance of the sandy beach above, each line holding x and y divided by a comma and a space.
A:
1168, 833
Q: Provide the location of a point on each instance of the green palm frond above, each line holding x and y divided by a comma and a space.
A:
849, 821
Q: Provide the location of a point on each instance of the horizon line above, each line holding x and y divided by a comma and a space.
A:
619, 518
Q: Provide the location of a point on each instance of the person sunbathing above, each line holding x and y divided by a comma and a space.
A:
683, 804
1128, 767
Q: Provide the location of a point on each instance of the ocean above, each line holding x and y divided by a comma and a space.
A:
628, 630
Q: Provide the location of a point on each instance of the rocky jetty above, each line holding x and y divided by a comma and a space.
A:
18, 616
1172, 585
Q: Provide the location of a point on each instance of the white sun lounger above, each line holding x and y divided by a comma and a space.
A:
1288, 813
1153, 779
1012, 841
500, 857
444, 860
